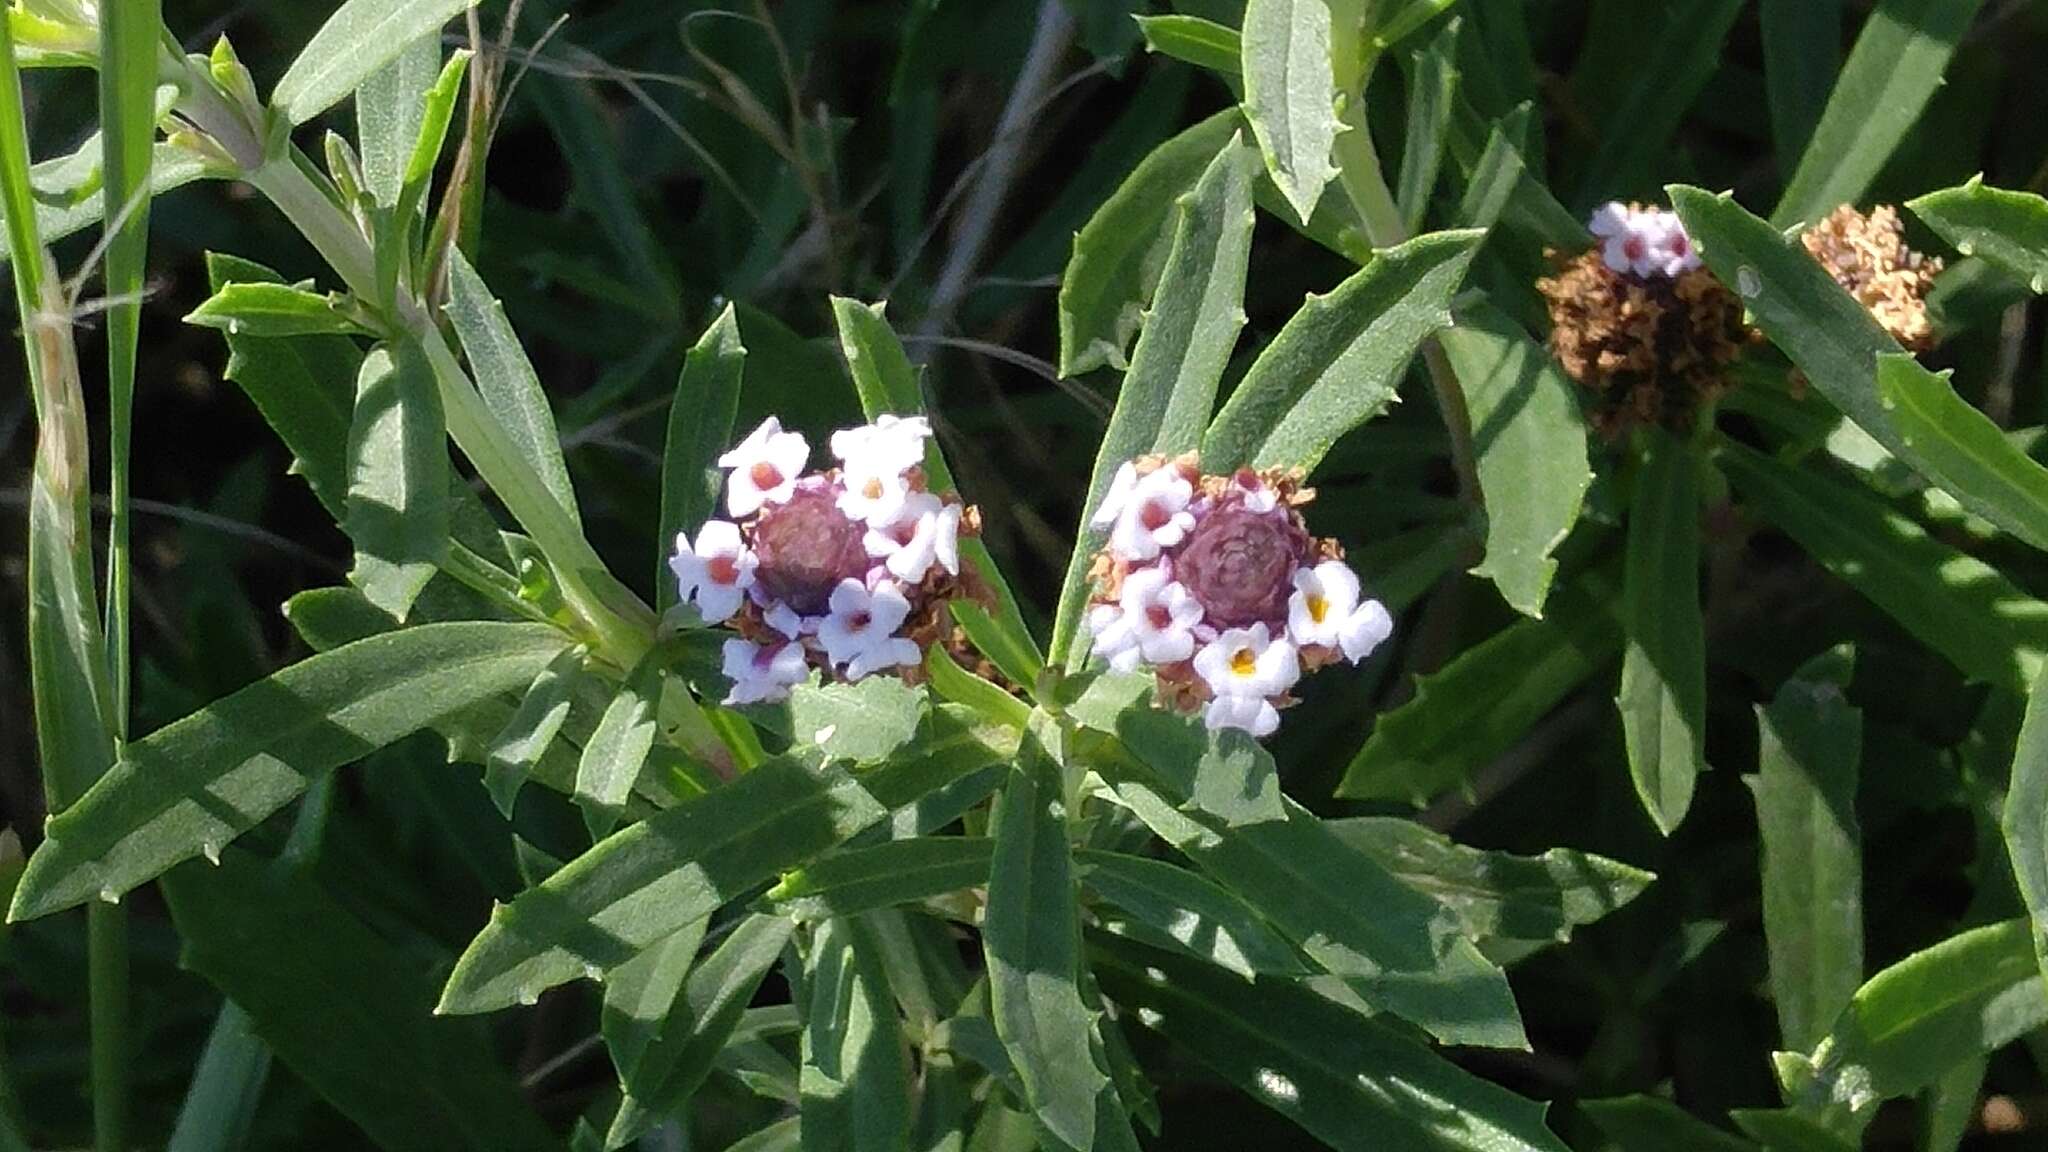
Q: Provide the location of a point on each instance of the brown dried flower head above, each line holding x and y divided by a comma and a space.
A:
1868, 257
1640, 323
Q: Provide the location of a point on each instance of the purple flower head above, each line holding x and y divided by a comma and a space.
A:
806, 546
1240, 564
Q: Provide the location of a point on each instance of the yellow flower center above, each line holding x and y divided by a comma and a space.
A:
1243, 663
872, 489
1318, 607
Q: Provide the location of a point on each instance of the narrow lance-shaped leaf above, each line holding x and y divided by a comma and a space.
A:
359, 39
617, 750
1530, 440
259, 309
1031, 936
1290, 95
1964, 997
1954, 603
510, 387
424, 153
1358, 1085
397, 509
227, 1085
347, 1011
1962, 450
1511, 905
650, 879
639, 997
1170, 389
2025, 822
1432, 89
1170, 904
1802, 41
1889, 77
896, 872
700, 420
855, 1085
1337, 363
714, 999
1664, 666
390, 106
1194, 40
1476, 707
2010, 229
531, 730
1836, 343
1810, 740
192, 786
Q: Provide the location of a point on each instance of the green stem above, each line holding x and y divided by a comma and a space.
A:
1365, 183
106, 928
621, 626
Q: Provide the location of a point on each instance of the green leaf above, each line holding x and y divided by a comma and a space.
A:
863, 721
1663, 78
517, 748
1337, 363
1890, 74
1664, 666
1356, 1084
1654, 1124
1171, 905
390, 107
1511, 905
1432, 90
713, 1001
639, 997
1476, 707
700, 421
192, 786
227, 1085
1290, 95
1966, 996
257, 309
952, 682
1170, 389
1531, 445
855, 1082
172, 166
511, 389
1398, 949
645, 882
1785, 1130
347, 1011
1810, 742
1802, 41
424, 149
1959, 448
2025, 821
618, 748
397, 506
1118, 254
358, 40
1031, 937
1949, 1107
1955, 604
1193, 40
2010, 229
888, 874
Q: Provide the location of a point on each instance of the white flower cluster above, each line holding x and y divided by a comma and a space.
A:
1214, 583
823, 567
1643, 241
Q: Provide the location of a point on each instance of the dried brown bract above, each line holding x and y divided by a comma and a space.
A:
1868, 257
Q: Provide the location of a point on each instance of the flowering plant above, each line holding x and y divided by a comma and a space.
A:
892, 753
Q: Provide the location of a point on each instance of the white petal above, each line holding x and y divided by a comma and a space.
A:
1365, 629
946, 539
787, 621
1119, 493
888, 608
751, 449
718, 602
717, 538
849, 597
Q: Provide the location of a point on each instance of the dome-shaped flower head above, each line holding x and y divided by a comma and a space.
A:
925, 532
1153, 622
762, 673
859, 634
806, 546
874, 462
1240, 564
1325, 612
715, 572
1155, 516
764, 468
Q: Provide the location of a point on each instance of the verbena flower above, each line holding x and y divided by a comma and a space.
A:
1640, 323
1868, 257
846, 571
1202, 581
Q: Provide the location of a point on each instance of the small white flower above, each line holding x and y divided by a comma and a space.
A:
1248, 662
1155, 516
873, 461
1645, 243
1155, 622
1259, 496
764, 468
859, 632
1254, 714
934, 540
1112, 641
1325, 610
886, 538
716, 572
1120, 487
789, 621
1673, 250
762, 673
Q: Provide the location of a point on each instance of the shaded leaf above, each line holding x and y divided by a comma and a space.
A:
1664, 77
2025, 821
896, 872
855, 1083
510, 387
1432, 89
1664, 664
639, 997
397, 507
1172, 905
1193, 40
617, 749
1654, 1124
